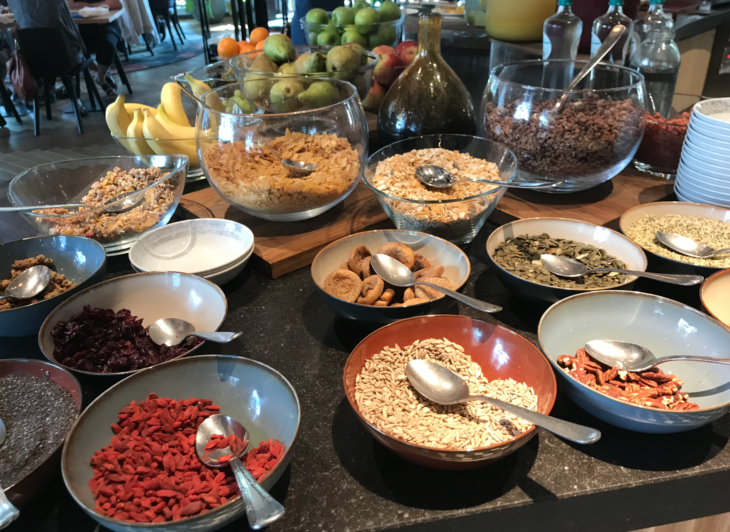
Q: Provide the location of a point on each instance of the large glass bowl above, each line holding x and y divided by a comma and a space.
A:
458, 219
594, 137
240, 153
70, 181
159, 146
383, 33
361, 77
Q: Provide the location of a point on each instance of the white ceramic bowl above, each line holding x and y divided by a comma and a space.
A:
696, 148
700, 193
710, 171
664, 264
704, 183
708, 140
614, 243
715, 296
201, 246
715, 111
711, 130
226, 275
665, 327
150, 296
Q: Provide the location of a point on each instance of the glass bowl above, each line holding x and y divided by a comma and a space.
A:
661, 147
361, 77
240, 153
158, 146
383, 33
70, 181
594, 137
457, 219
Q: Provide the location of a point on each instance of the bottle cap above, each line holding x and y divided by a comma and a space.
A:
616, 2
565, 2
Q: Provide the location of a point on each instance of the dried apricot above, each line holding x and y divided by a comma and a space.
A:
421, 262
372, 289
343, 284
399, 252
433, 271
387, 295
357, 255
426, 292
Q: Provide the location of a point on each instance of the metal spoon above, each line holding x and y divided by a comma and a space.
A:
687, 246
633, 357
261, 508
565, 267
8, 512
117, 205
441, 385
438, 177
28, 284
613, 37
297, 168
395, 273
173, 331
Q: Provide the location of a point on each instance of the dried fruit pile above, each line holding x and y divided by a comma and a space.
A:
151, 473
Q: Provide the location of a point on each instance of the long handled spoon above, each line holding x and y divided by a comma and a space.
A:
687, 246
633, 357
173, 331
8, 512
438, 177
116, 205
28, 284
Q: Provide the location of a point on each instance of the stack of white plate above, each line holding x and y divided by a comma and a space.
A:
704, 169
214, 249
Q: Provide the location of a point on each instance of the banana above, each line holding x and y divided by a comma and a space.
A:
212, 100
132, 107
136, 131
118, 120
171, 98
165, 142
178, 132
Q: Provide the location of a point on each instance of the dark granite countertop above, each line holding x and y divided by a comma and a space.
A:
341, 480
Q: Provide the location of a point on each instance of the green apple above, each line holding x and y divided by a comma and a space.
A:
384, 36
317, 16
328, 38
313, 37
388, 11
367, 21
360, 4
343, 16
352, 35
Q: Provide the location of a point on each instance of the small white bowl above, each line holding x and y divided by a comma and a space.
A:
709, 182
708, 140
201, 247
699, 193
226, 276
709, 165
715, 111
708, 129
715, 296
712, 155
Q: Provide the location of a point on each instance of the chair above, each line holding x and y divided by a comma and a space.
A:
161, 9
49, 57
176, 21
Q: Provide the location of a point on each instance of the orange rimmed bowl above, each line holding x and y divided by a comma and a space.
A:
501, 353
715, 296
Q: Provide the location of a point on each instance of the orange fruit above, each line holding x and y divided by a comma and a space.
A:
227, 47
258, 35
245, 46
260, 45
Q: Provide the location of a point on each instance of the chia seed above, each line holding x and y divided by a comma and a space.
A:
37, 414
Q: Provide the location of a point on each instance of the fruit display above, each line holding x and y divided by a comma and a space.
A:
228, 47
391, 63
362, 24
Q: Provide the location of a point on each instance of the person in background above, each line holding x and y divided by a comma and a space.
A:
300, 10
103, 40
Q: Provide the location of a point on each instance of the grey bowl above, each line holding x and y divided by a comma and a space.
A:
80, 259
664, 326
253, 393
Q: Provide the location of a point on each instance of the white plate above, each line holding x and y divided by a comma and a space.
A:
715, 112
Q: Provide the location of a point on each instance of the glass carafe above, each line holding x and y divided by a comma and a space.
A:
428, 97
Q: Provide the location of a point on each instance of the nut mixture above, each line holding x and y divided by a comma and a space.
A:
104, 226
713, 233
355, 281
652, 387
253, 176
396, 176
56, 286
386, 399
588, 136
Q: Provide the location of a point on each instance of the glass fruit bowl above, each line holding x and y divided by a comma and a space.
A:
92, 181
325, 65
368, 35
455, 214
215, 75
594, 137
309, 120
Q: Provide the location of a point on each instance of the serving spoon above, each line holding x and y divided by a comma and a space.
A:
571, 268
8, 512
439, 177
687, 246
443, 386
298, 168
635, 358
395, 272
174, 331
116, 205
28, 284
261, 508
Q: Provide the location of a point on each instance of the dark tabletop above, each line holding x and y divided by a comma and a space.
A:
340, 479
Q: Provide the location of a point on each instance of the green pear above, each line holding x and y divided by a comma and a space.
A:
343, 62
283, 95
287, 68
310, 63
361, 85
254, 89
279, 48
351, 35
319, 94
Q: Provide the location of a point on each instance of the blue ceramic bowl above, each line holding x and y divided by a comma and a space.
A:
665, 327
80, 259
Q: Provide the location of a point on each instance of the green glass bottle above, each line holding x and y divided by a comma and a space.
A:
428, 97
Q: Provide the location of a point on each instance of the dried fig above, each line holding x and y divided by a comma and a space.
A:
387, 295
433, 271
421, 262
381, 303
366, 270
343, 284
408, 294
399, 252
415, 301
426, 292
345, 266
372, 289
357, 255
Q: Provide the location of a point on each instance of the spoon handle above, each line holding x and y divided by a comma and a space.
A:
8, 512
681, 280
218, 337
28, 208
693, 358
564, 429
720, 252
470, 301
517, 184
261, 508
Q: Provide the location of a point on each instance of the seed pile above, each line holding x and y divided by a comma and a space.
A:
37, 413
521, 256
387, 400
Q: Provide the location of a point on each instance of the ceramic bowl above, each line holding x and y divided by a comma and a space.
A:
253, 393
149, 296
202, 246
708, 138
710, 129
660, 208
705, 164
665, 327
715, 111
703, 178
80, 259
715, 296
711, 154
436, 250
39, 478
228, 274
616, 244
501, 353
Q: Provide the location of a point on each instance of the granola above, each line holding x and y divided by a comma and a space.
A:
254, 177
56, 286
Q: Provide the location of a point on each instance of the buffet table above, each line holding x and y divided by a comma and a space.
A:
340, 479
